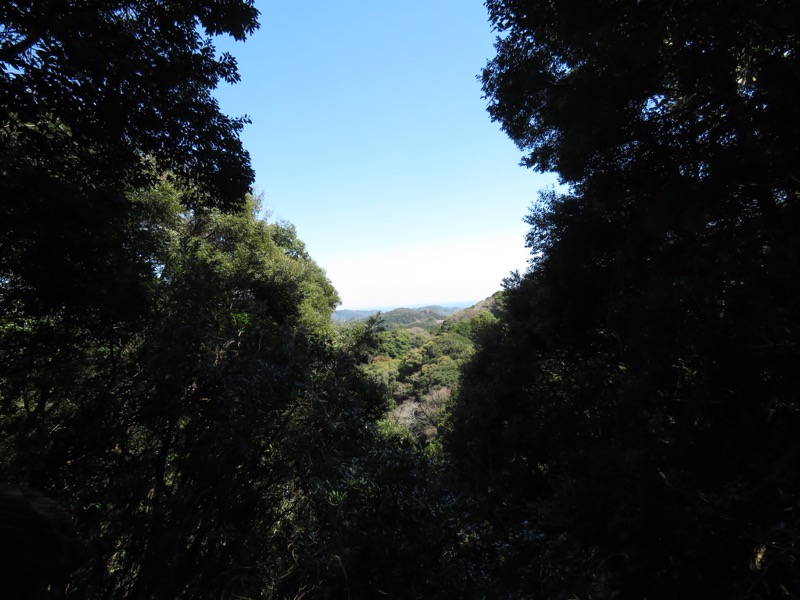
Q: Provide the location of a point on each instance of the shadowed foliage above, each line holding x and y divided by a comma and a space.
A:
627, 428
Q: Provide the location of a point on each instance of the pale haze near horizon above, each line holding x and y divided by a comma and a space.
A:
370, 135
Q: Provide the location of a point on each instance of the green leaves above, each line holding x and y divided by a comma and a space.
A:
625, 361
96, 103
134, 81
181, 441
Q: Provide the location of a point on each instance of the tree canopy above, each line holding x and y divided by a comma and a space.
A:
98, 100
620, 422
180, 443
632, 414
121, 82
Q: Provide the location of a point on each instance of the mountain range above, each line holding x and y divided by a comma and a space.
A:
424, 315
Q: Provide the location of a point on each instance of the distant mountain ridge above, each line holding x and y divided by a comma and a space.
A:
400, 316
427, 317
344, 316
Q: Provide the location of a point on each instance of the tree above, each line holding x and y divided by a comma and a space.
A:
183, 446
96, 101
633, 410
122, 81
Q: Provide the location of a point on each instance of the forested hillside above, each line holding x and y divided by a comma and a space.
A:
425, 316
181, 416
418, 359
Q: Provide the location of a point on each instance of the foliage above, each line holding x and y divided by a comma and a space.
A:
420, 369
471, 328
620, 422
115, 82
634, 409
387, 526
169, 373
425, 318
394, 343
98, 101
181, 446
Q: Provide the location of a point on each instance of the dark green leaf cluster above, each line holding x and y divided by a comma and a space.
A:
620, 422
182, 444
97, 101
627, 428
169, 374
387, 521
121, 81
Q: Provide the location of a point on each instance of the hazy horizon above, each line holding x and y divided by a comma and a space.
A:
458, 304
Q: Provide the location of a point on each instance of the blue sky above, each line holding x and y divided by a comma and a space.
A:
370, 135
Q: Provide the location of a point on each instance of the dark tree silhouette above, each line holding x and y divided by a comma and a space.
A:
629, 426
96, 100
40, 545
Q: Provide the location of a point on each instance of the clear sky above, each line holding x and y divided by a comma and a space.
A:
370, 135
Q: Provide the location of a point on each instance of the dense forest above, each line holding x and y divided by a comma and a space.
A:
181, 416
